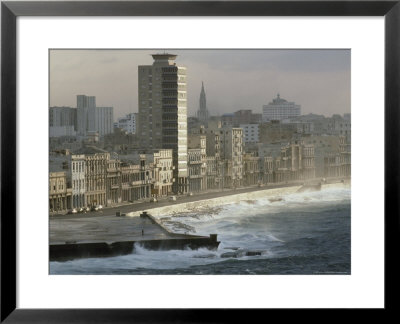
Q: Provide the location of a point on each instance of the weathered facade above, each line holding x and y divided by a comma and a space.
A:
212, 177
136, 180
60, 192
77, 170
339, 164
251, 170
96, 178
267, 169
113, 184
197, 161
163, 173
297, 162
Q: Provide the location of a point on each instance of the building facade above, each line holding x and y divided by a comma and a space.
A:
338, 164
84, 104
91, 118
62, 116
62, 121
243, 116
275, 131
77, 169
163, 112
96, 178
62, 131
136, 180
59, 192
251, 170
212, 175
101, 120
250, 133
232, 155
163, 173
280, 109
196, 170
128, 123
296, 162
113, 182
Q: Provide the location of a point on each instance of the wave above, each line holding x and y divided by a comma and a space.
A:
248, 230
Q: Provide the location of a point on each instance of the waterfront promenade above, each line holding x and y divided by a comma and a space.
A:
163, 202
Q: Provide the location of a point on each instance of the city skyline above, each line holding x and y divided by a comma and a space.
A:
318, 80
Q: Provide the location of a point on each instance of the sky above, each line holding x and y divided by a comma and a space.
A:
234, 79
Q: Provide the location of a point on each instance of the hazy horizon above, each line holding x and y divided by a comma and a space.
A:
318, 80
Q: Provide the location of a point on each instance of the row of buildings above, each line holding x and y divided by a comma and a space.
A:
216, 160
257, 131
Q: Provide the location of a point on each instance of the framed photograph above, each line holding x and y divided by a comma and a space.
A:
184, 161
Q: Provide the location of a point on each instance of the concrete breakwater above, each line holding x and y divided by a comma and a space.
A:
111, 236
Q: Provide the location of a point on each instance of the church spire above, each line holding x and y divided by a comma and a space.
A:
203, 101
202, 113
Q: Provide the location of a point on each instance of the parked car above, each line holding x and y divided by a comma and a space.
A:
172, 198
73, 211
153, 199
190, 194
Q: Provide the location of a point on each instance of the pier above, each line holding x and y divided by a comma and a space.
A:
106, 236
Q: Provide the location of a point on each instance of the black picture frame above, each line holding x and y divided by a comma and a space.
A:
10, 10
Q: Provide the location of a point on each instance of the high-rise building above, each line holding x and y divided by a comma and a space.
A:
62, 121
91, 118
101, 120
62, 116
280, 109
202, 113
163, 112
83, 105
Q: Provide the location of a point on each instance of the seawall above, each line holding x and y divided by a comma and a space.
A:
220, 201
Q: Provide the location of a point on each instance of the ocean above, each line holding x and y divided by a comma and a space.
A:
305, 233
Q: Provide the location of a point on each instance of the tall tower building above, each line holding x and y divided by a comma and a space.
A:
85, 105
163, 112
93, 119
202, 113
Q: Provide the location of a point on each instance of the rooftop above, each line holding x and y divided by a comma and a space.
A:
90, 150
164, 57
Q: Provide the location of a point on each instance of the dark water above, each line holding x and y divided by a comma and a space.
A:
307, 233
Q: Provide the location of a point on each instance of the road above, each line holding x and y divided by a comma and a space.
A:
141, 206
